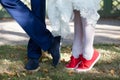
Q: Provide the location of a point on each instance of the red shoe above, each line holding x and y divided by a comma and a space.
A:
74, 62
86, 65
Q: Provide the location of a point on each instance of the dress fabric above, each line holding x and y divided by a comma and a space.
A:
60, 12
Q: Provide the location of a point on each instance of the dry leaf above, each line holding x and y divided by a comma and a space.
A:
70, 72
24, 74
45, 70
10, 73
63, 60
112, 72
18, 75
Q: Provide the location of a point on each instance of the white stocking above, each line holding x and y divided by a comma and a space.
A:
78, 35
88, 32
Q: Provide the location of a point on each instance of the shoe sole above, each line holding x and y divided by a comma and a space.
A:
74, 67
77, 70
35, 70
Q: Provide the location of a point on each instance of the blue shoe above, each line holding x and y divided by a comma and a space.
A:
55, 50
33, 64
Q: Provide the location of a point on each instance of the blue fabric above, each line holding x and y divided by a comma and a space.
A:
31, 21
38, 9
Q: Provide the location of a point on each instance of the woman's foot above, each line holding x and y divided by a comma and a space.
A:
86, 65
73, 63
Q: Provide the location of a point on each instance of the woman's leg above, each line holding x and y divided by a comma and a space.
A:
77, 42
89, 56
88, 32
78, 35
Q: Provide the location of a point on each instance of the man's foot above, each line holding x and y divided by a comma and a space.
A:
55, 50
74, 62
32, 65
86, 65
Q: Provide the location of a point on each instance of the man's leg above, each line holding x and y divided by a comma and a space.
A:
29, 22
38, 9
33, 27
34, 51
39, 6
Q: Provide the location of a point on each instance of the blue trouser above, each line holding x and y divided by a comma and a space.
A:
32, 22
38, 9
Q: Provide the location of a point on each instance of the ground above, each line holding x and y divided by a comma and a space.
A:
13, 58
107, 31
13, 45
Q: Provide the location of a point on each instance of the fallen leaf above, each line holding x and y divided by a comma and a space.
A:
45, 70
18, 75
70, 72
112, 72
24, 74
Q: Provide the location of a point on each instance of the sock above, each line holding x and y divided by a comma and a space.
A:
78, 36
88, 32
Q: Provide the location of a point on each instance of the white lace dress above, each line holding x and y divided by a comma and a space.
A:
61, 11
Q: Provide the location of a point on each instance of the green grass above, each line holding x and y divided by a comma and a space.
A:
13, 58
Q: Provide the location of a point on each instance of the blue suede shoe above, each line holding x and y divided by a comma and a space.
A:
55, 50
33, 64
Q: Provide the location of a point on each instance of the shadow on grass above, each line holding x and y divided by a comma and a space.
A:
12, 59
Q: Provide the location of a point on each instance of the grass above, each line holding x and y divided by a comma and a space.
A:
13, 58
